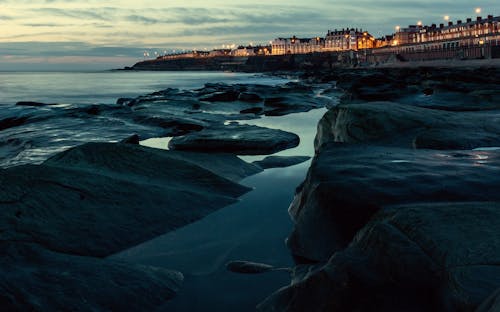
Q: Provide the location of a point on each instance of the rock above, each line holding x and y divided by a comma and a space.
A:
176, 125
415, 257
347, 183
35, 279
249, 97
415, 126
225, 165
280, 161
491, 304
29, 103
226, 96
10, 122
253, 110
236, 139
133, 139
99, 198
247, 267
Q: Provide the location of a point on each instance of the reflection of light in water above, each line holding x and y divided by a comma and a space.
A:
400, 161
161, 143
302, 124
493, 148
481, 158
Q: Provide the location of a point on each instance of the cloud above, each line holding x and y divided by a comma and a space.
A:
79, 14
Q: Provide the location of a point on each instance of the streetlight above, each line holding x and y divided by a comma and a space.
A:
398, 28
478, 10
419, 23
446, 17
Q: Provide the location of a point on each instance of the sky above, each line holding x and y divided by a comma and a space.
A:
104, 34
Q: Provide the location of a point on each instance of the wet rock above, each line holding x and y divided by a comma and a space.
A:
133, 139
124, 101
29, 103
491, 304
249, 97
226, 96
347, 183
280, 161
99, 198
33, 278
415, 257
247, 267
225, 165
236, 139
175, 124
405, 125
253, 110
10, 122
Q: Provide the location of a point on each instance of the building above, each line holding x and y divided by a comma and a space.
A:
348, 39
219, 52
461, 33
294, 45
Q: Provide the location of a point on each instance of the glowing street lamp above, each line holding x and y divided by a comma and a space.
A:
478, 10
419, 23
446, 17
398, 28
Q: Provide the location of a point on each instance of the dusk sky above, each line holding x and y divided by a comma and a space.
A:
101, 34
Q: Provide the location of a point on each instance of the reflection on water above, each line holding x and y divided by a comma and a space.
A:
253, 229
302, 124
160, 143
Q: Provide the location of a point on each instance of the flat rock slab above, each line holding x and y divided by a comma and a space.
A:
347, 183
236, 139
280, 161
99, 198
415, 257
35, 279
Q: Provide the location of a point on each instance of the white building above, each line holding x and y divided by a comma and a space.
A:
294, 45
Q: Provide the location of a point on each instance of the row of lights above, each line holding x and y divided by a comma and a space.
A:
446, 18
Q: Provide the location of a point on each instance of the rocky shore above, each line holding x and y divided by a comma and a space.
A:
66, 206
400, 209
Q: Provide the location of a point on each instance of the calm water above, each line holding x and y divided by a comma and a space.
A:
106, 87
253, 229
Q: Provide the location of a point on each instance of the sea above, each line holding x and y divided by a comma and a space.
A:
107, 86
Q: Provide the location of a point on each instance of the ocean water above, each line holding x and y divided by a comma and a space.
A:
107, 86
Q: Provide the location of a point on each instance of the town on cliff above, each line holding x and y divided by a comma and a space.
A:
469, 39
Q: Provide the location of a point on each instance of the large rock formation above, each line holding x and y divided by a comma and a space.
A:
417, 257
400, 208
348, 183
59, 218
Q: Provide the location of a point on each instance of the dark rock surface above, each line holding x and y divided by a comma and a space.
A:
348, 183
236, 139
417, 257
404, 125
60, 203
492, 304
29, 103
400, 208
58, 220
35, 279
280, 161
